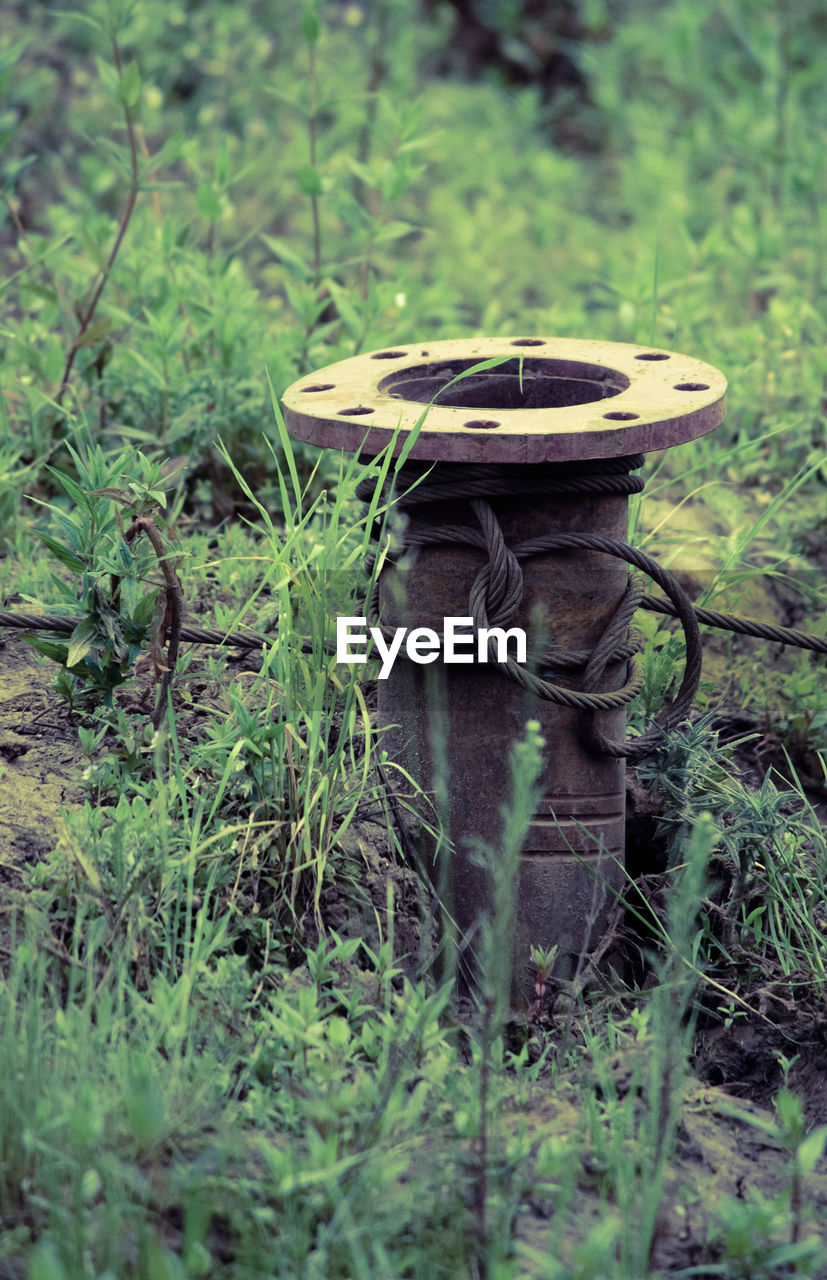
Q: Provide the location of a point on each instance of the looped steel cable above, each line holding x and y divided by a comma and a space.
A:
744, 626
419, 482
500, 582
589, 701
496, 592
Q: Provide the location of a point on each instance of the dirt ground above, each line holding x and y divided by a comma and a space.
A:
724, 1148
718, 1155
40, 761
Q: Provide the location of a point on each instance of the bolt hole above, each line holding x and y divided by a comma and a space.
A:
387, 355
692, 386
528, 342
354, 413
321, 386
481, 424
621, 417
653, 355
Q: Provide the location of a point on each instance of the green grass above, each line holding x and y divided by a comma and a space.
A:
224, 1047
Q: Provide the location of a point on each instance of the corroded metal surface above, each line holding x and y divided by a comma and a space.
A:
555, 399
551, 400
572, 863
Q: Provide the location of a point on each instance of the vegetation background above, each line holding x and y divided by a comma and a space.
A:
224, 1049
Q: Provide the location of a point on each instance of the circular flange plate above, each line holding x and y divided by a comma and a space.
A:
547, 400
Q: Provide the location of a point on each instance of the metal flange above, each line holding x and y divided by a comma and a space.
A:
552, 400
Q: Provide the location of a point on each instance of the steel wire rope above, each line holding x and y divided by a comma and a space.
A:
750, 627
65, 624
497, 590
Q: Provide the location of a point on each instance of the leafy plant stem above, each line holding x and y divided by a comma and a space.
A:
170, 616
129, 206
495, 951
312, 131
377, 76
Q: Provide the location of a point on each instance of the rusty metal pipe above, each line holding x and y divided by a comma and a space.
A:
578, 829
546, 403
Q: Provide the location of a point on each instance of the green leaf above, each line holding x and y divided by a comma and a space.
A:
144, 610
812, 1149
158, 497
66, 590
209, 203
171, 151
92, 875
308, 181
289, 257
156, 374
345, 307
286, 442
395, 231
129, 89
71, 487
311, 26
57, 652
45, 1263
96, 332
109, 76
172, 468
287, 101
63, 554
110, 622
116, 495
76, 17
338, 1032
81, 640
790, 1111
363, 172
10, 57
222, 163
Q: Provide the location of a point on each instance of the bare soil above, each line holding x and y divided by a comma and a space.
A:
40, 763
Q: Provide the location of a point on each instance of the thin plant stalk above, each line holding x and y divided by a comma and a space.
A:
496, 948
126, 215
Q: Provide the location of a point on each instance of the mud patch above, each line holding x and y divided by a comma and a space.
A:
746, 1057
40, 762
726, 1158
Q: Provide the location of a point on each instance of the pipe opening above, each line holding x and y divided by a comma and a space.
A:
539, 384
